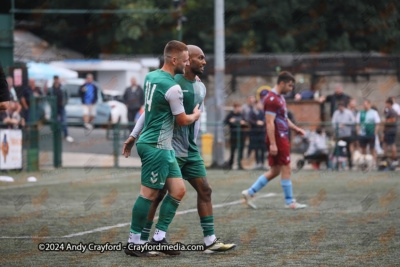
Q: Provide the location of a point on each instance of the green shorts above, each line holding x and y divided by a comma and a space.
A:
157, 165
192, 167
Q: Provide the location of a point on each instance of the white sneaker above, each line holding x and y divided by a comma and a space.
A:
88, 126
294, 205
69, 139
248, 198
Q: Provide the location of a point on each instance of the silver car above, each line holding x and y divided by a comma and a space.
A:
73, 108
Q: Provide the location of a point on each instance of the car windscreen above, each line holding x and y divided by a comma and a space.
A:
72, 89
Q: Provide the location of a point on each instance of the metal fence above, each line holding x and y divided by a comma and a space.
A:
102, 147
336, 154
44, 147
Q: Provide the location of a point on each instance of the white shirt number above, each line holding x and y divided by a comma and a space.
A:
149, 94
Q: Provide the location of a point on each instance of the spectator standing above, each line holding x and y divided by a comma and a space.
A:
352, 106
88, 92
246, 109
30, 91
367, 128
378, 148
13, 93
341, 121
395, 106
354, 138
133, 99
389, 131
235, 120
61, 100
335, 98
4, 95
257, 133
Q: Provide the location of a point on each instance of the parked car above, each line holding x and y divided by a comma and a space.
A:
73, 107
119, 112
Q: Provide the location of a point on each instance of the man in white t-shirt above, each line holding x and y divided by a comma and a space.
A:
343, 120
395, 106
367, 128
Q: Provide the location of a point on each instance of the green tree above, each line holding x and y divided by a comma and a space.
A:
251, 26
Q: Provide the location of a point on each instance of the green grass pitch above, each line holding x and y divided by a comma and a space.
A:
352, 219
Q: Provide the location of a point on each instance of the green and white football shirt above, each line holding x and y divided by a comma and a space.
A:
367, 120
184, 139
163, 100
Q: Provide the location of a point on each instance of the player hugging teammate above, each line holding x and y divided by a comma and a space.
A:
168, 151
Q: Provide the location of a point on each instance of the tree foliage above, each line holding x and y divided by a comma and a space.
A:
251, 26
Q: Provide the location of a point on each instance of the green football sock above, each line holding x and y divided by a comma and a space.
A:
139, 214
167, 212
146, 231
207, 223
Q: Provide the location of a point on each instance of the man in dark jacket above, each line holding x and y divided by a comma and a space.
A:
335, 98
88, 93
235, 120
61, 99
27, 93
133, 99
4, 94
257, 133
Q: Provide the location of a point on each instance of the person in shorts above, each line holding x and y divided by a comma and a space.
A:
277, 141
188, 155
88, 93
367, 128
390, 130
163, 106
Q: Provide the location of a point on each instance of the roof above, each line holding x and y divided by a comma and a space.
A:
29, 47
98, 65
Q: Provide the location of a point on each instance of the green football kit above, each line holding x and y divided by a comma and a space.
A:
184, 137
187, 156
163, 100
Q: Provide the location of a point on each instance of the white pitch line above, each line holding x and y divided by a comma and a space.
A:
5, 186
101, 229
